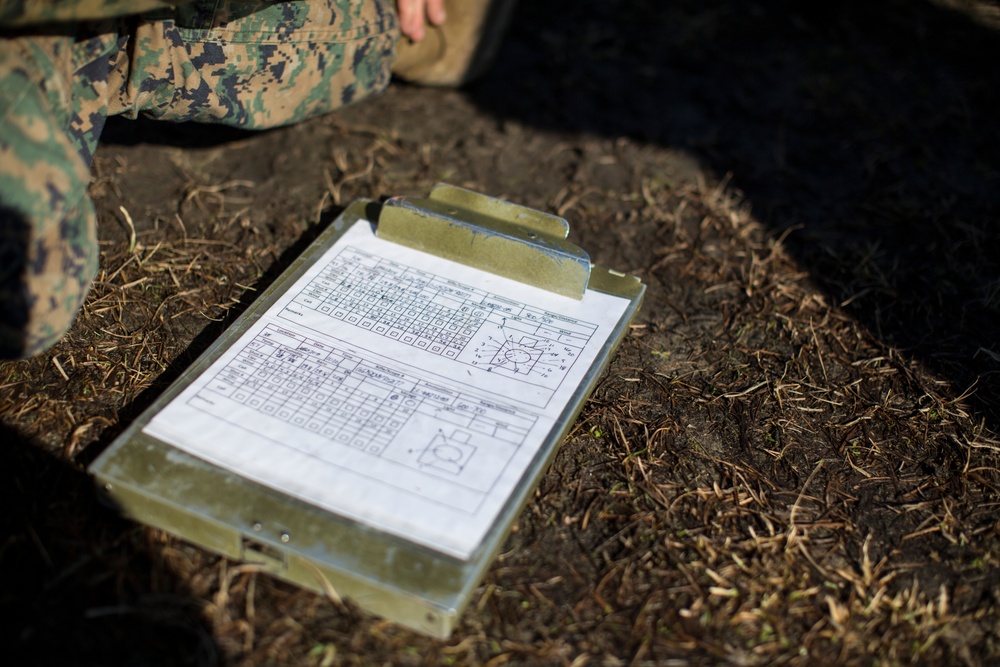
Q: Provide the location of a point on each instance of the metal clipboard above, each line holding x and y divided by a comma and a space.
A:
424, 589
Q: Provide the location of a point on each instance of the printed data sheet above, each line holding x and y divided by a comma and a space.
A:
399, 389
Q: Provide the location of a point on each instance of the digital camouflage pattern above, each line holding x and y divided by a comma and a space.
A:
38, 12
247, 64
256, 65
48, 240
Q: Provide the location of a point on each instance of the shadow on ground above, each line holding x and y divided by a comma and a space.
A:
866, 131
78, 586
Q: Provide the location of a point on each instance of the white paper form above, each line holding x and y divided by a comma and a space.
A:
396, 388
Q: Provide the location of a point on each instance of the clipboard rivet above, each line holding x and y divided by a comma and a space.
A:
257, 526
285, 537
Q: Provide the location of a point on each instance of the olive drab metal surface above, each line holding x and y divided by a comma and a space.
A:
503, 238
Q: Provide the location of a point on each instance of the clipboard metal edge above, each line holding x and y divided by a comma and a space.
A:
490, 234
159, 485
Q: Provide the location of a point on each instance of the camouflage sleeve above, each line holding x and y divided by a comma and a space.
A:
256, 64
19, 13
48, 242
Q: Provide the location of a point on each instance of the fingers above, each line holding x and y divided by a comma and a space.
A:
414, 13
409, 23
435, 12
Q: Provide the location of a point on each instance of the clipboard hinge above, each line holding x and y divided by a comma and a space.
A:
490, 234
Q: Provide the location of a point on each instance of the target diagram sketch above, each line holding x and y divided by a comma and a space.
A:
437, 315
448, 453
519, 355
395, 389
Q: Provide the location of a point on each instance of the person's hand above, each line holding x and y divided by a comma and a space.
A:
413, 15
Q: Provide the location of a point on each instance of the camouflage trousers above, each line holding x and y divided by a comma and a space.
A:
66, 66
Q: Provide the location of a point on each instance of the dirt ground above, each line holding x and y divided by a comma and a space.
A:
793, 458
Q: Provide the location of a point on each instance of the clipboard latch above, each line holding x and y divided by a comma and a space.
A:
489, 234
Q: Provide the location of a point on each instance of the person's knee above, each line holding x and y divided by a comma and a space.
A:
48, 244
45, 273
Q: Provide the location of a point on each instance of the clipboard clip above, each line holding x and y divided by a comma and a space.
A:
489, 234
